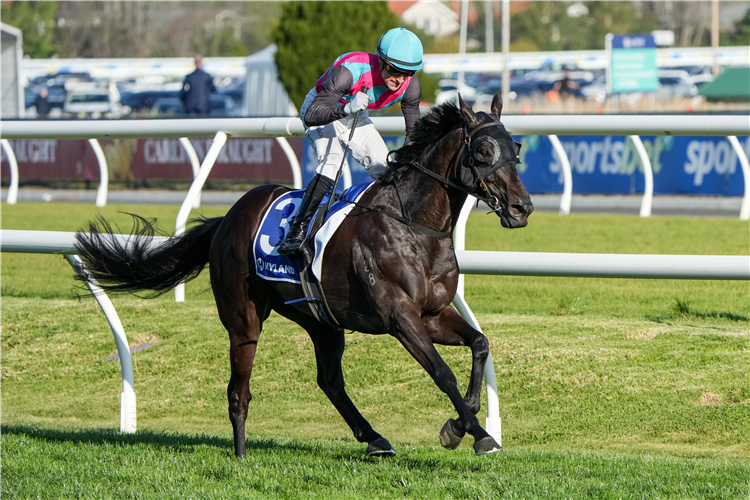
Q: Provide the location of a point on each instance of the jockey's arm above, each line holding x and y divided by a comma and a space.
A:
410, 107
325, 107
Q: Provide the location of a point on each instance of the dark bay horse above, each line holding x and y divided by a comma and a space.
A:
389, 268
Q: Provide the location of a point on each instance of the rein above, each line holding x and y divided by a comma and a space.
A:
486, 196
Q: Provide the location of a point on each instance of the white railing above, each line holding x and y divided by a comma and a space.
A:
281, 127
725, 267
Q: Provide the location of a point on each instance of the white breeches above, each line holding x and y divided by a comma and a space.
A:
329, 142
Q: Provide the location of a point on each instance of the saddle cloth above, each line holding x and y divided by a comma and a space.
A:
272, 266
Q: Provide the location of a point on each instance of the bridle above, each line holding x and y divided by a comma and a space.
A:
484, 196
480, 191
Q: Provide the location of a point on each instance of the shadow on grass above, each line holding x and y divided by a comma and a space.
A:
683, 310
176, 442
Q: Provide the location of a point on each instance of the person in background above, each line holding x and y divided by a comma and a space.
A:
566, 86
195, 90
356, 81
42, 105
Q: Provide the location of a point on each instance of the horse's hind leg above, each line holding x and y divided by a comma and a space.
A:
243, 318
329, 348
244, 330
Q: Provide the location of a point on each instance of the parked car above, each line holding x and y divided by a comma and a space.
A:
222, 105
450, 88
233, 87
675, 83
56, 85
701, 79
143, 97
91, 101
596, 90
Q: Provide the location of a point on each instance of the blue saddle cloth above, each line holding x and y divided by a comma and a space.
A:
269, 264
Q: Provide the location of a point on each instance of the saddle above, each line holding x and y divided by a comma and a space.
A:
306, 270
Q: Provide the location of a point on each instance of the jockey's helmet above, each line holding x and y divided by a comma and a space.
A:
402, 49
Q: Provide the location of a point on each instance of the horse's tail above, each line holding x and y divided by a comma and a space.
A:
140, 262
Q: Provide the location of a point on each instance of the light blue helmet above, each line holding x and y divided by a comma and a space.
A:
401, 48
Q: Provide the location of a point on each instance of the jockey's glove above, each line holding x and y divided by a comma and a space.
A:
358, 103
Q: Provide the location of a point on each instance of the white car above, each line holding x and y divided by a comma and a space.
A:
90, 101
449, 90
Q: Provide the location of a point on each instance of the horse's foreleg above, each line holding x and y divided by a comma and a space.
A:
329, 348
408, 328
449, 328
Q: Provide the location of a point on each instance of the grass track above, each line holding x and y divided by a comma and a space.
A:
106, 464
609, 388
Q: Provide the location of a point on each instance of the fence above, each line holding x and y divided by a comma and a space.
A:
712, 267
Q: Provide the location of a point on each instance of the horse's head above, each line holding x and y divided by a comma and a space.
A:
486, 164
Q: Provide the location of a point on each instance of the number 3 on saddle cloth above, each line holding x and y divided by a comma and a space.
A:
272, 266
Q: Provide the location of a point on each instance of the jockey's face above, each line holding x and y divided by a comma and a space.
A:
393, 76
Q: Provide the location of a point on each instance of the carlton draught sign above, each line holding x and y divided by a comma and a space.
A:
254, 159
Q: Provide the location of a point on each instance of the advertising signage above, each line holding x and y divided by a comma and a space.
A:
632, 63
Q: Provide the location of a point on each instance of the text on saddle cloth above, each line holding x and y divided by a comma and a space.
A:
277, 220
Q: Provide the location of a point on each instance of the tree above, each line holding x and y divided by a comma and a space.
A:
741, 33
310, 35
548, 26
690, 21
163, 29
36, 20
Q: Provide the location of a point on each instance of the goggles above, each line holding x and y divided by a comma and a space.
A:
394, 71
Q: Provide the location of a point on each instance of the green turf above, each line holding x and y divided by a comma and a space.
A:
608, 388
106, 464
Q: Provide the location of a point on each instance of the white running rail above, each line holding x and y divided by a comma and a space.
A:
280, 127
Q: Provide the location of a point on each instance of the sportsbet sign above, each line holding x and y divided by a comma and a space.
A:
632, 63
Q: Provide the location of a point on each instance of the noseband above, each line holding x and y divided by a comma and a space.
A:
481, 192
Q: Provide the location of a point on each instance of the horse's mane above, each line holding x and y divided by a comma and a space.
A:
429, 129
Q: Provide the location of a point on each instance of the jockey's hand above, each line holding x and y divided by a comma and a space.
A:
358, 103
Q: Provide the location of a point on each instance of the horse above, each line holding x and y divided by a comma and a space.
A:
390, 267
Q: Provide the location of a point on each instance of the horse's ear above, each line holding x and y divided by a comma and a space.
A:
468, 114
497, 105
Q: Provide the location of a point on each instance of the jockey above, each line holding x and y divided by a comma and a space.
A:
356, 81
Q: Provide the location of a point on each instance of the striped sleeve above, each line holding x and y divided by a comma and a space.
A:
325, 108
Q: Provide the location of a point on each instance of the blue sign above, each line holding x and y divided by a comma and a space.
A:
633, 42
611, 165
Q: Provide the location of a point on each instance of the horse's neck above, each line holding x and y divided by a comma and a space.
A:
433, 205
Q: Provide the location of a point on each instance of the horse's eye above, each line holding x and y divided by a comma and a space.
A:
484, 153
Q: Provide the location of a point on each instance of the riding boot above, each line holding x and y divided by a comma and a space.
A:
314, 194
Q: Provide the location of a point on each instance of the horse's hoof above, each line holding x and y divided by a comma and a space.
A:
380, 448
451, 435
486, 445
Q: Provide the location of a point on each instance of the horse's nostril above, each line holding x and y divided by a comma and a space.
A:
517, 210
521, 209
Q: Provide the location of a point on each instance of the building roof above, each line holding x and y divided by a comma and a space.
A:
398, 7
